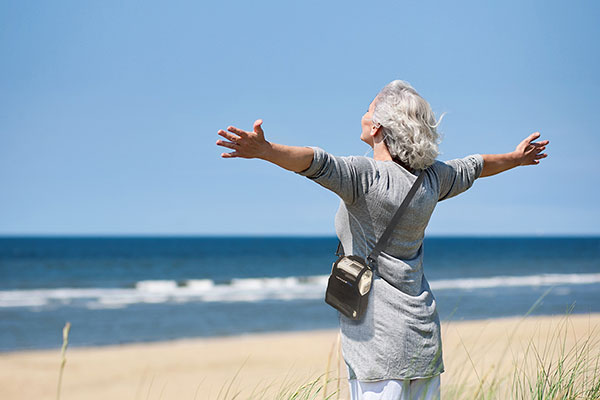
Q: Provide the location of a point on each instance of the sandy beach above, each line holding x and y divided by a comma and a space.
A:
477, 354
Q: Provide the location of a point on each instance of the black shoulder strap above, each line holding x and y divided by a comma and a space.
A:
388, 232
382, 242
340, 250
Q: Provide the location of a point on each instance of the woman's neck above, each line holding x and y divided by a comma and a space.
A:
381, 153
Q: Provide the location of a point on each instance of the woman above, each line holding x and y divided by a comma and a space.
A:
394, 351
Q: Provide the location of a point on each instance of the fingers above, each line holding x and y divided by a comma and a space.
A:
257, 127
532, 137
228, 136
237, 131
535, 159
232, 139
540, 145
229, 155
227, 144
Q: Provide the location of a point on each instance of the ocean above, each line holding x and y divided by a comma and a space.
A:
137, 289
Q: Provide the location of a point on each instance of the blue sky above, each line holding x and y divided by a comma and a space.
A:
109, 111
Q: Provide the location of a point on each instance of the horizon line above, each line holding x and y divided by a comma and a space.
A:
287, 235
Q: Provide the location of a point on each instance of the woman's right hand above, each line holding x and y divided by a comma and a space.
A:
529, 152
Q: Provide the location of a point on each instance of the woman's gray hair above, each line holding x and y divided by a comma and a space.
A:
408, 125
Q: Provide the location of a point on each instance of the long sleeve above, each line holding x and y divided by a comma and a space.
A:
348, 177
456, 176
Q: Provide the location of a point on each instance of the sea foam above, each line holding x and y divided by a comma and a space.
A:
247, 290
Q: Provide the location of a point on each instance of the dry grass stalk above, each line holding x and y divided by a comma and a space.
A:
66, 330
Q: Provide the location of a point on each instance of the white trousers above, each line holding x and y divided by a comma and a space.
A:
394, 389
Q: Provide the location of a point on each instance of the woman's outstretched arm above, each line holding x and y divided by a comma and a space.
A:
347, 177
253, 145
527, 152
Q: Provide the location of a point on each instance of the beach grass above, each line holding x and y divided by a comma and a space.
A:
556, 362
63, 360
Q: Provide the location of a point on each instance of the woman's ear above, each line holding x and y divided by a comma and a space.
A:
375, 129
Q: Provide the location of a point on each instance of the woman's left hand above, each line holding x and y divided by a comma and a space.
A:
245, 144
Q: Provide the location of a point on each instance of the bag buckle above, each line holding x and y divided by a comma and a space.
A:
371, 262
